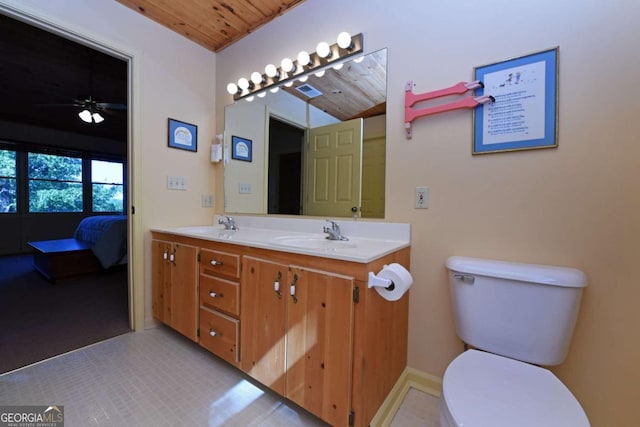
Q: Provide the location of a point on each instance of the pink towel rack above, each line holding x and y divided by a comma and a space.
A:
411, 99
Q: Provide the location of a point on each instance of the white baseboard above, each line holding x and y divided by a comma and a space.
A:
410, 377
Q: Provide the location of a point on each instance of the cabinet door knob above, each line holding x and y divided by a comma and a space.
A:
214, 295
212, 332
214, 262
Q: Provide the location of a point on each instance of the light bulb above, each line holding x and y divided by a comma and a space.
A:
344, 40
287, 65
303, 79
359, 59
262, 94
271, 71
250, 98
97, 118
232, 88
289, 84
304, 58
256, 78
85, 115
274, 89
243, 83
323, 50
320, 73
338, 66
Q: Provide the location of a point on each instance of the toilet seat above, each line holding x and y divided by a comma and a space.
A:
483, 389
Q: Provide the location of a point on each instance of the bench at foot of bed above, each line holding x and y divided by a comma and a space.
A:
57, 259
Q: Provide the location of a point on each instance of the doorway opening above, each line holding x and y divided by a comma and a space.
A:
286, 145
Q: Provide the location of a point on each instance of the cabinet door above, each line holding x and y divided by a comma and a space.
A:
319, 343
161, 280
262, 319
184, 290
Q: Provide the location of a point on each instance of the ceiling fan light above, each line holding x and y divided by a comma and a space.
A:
97, 118
85, 115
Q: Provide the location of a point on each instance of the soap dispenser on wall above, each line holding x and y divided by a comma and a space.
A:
216, 149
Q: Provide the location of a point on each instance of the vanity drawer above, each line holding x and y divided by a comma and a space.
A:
220, 334
219, 263
220, 294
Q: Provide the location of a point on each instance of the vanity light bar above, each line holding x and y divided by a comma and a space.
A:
335, 54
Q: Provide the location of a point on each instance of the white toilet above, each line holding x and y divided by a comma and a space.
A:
521, 315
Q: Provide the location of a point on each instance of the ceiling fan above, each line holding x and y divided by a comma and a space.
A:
90, 109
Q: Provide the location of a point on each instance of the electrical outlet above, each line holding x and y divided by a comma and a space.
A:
422, 198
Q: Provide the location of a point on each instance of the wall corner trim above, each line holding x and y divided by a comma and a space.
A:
410, 378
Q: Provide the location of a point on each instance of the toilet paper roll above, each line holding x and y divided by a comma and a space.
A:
400, 278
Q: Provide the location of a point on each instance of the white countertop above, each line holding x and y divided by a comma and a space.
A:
367, 240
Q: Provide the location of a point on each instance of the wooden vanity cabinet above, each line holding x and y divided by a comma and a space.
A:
331, 344
298, 334
174, 285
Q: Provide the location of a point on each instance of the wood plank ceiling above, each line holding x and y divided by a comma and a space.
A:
357, 91
211, 23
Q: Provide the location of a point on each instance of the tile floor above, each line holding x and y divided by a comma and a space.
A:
160, 378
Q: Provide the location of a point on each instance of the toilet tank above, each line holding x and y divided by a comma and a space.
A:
522, 311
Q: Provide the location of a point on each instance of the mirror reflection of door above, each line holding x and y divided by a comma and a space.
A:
285, 168
333, 164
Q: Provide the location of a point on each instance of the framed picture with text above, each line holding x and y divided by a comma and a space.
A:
183, 135
524, 115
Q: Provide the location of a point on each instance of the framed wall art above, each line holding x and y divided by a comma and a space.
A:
183, 135
524, 115
241, 148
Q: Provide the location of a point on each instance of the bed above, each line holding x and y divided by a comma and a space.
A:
98, 243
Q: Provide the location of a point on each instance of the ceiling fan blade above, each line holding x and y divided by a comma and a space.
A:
111, 106
56, 105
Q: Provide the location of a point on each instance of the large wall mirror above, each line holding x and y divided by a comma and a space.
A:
316, 147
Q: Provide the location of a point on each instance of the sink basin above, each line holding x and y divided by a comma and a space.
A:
313, 242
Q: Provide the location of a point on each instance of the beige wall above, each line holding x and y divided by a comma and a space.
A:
577, 205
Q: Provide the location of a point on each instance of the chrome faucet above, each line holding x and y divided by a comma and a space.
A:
334, 232
228, 222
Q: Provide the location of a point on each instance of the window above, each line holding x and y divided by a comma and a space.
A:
107, 186
55, 183
8, 196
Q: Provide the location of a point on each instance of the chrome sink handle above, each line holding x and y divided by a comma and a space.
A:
228, 222
334, 233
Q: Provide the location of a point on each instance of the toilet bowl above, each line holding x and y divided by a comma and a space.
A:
517, 317
481, 389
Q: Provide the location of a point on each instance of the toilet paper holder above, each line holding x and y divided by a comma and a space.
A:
375, 281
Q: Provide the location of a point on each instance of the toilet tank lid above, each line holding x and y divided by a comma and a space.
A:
534, 273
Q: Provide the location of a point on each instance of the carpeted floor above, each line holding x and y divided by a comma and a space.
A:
39, 320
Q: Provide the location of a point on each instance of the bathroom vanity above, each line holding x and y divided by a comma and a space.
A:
289, 307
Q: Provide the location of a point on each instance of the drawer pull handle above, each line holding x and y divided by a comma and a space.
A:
214, 262
214, 295
214, 333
